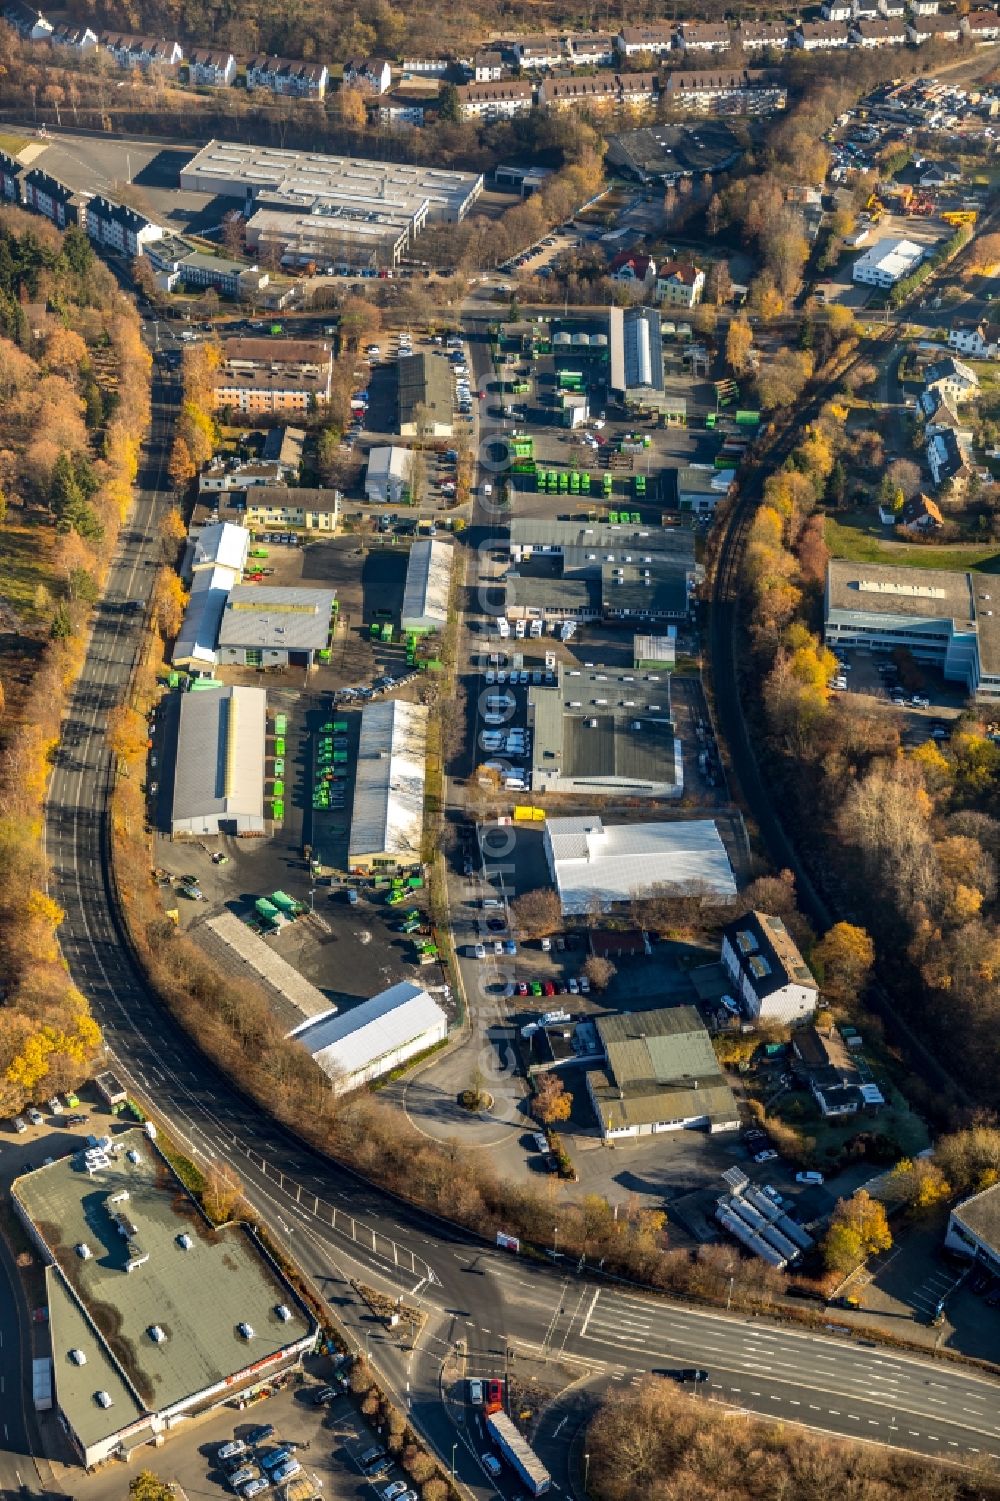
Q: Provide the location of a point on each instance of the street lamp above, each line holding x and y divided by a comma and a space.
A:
729, 1295
454, 1447
555, 1240
586, 1471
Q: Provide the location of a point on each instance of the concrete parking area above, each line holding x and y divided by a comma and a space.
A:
323, 1439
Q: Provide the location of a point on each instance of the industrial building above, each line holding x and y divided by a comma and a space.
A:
666, 153
887, 262
275, 626
217, 559
601, 730
387, 819
332, 208
354, 1047
425, 397
389, 474
948, 620
770, 978
660, 1073
571, 570
154, 1315
594, 865
428, 586
974, 1228
219, 764
636, 357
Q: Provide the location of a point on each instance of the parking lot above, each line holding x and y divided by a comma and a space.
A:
929, 706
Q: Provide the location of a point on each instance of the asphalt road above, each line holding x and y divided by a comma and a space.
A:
337, 1226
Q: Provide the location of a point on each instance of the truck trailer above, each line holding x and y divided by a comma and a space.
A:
518, 1453
111, 1092
41, 1384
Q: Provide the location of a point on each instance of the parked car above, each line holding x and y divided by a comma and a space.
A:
232, 1450
767, 1155
260, 1434
809, 1177
476, 1398
491, 1465
35, 1116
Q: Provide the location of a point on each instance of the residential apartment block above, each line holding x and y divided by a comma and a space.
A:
725, 90
143, 52
658, 39
772, 980
74, 38
603, 90
211, 67
287, 76
114, 226
262, 376
495, 101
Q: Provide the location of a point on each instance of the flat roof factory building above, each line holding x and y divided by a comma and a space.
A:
949, 620
596, 864
332, 208
359, 1045
387, 819
275, 627
428, 586
219, 769
599, 730
154, 1314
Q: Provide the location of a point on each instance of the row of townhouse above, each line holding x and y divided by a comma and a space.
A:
207, 66
749, 90
868, 28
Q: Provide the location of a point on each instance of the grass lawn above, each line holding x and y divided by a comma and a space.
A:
27, 559
859, 540
12, 144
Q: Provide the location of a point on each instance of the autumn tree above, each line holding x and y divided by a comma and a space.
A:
149, 1487
782, 379
223, 1194
551, 1103
172, 528
181, 468
739, 342
169, 602
126, 733
858, 1229
920, 1182
845, 956
599, 971
537, 913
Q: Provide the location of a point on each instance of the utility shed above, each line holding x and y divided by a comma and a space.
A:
387, 819
357, 1046
592, 863
219, 771
428, 586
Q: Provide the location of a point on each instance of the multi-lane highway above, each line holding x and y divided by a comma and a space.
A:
476, 1299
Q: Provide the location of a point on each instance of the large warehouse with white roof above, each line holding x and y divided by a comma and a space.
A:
357, 1046
387, 820
593, 863
219, 771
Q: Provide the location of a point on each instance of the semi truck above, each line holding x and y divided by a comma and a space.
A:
518, 1453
